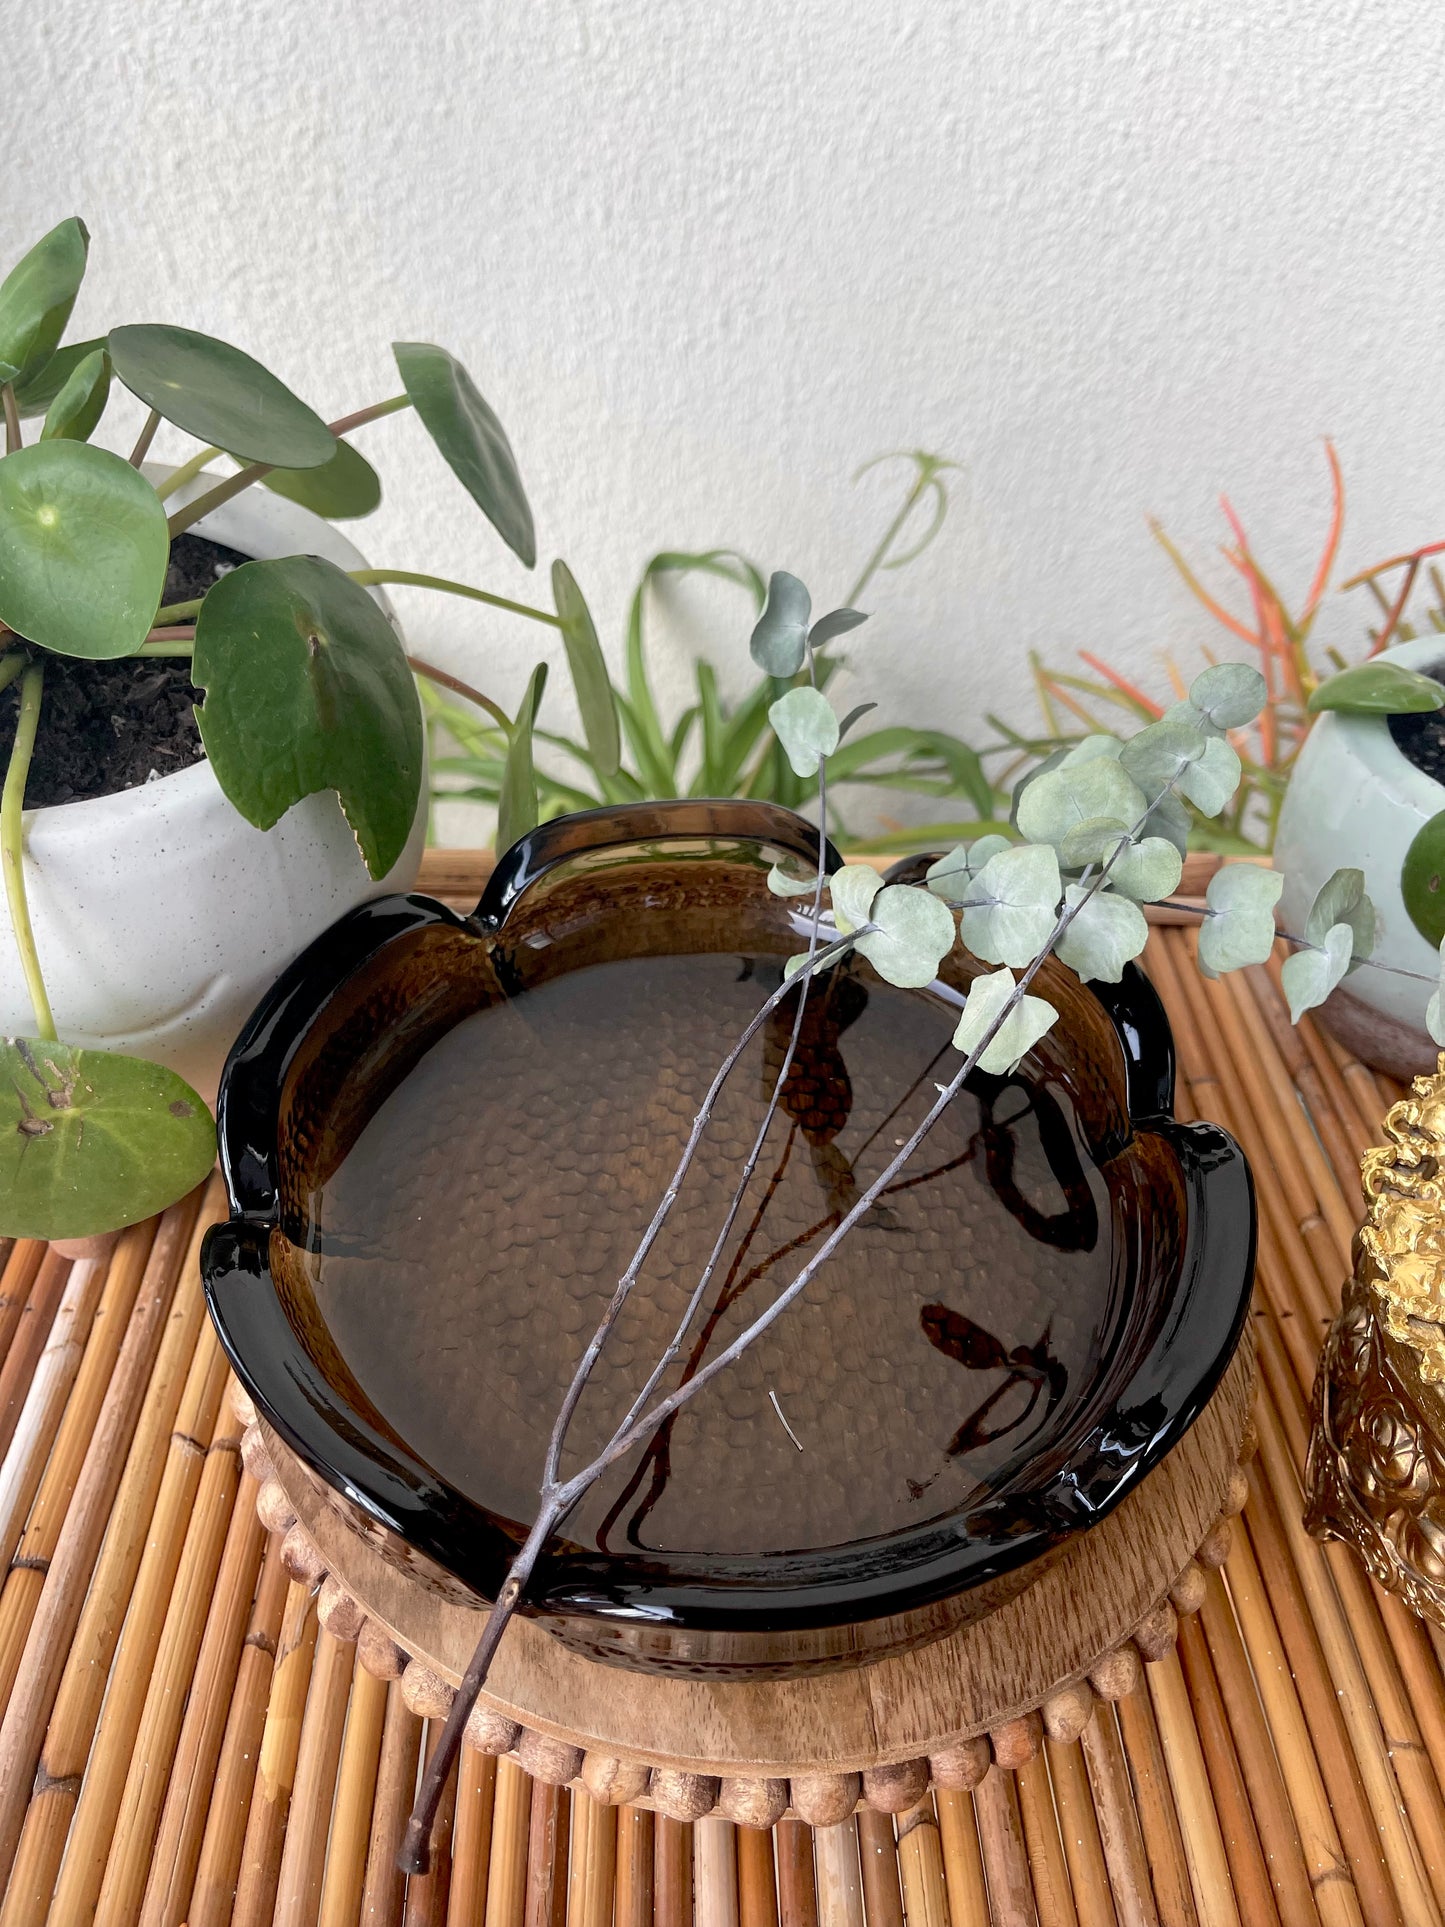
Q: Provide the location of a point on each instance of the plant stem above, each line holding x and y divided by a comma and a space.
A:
875, 561
187, 470
12, 844
629, 1277
179, 611
460, 688
345, 423
408, 579
146, 436
14, 436
213, 498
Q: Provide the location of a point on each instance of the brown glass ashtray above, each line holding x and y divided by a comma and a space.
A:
443, 1136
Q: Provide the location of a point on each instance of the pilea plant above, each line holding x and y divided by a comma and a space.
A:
306, 685
1097, 832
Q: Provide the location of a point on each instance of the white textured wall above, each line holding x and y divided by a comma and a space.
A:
708, 256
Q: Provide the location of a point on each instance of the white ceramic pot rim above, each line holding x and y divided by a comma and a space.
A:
1369, 737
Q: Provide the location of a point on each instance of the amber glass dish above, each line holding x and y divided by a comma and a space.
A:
443, 1136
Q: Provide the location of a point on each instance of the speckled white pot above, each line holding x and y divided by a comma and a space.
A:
1355, 801
160, 914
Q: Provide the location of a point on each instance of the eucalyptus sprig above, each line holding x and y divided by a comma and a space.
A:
1098, 833
306, 683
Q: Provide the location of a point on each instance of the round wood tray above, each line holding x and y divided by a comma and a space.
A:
754, 1748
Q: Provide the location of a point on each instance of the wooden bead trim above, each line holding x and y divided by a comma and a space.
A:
820, 1799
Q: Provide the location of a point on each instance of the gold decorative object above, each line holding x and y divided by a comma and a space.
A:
1376, 1471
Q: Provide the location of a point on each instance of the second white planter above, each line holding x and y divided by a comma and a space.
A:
1356, 801
160, 914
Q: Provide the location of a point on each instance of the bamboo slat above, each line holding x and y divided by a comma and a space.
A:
179, 1744
383, 1890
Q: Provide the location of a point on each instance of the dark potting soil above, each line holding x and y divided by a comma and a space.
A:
108, 726
1421, 738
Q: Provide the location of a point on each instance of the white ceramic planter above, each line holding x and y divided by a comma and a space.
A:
160, 914
1355, 801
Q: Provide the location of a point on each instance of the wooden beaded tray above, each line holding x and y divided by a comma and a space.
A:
182, 1741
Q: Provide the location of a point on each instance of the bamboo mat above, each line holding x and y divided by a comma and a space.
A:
182, 1743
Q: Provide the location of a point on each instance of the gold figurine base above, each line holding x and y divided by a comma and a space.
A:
1376, 1471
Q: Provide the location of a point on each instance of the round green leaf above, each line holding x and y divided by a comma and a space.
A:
343, 489
35, 394
83, 549
73, 414
595, 699
1435, 1008
779, 642
950, 876
1107, 932
1378, 689
90, 1141
914, 934
1159, 755
1309, 976
36, 298
1093, 841
1030, 1019
1061, 800
471, 439
1021, 886
1239, 928
783, 885
1342, 899
1088, 749
1212, 779
1422, 879
853, 889
805, 724
307, 688
1228, 694
220, 395
1147, 870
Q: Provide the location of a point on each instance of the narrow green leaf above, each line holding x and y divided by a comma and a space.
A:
73, 414
472, 441
83, 549
836, 623
91, 1141
307, 688
517, 805
595, 699
779, 643
219, 394
1378, 689
36, 298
